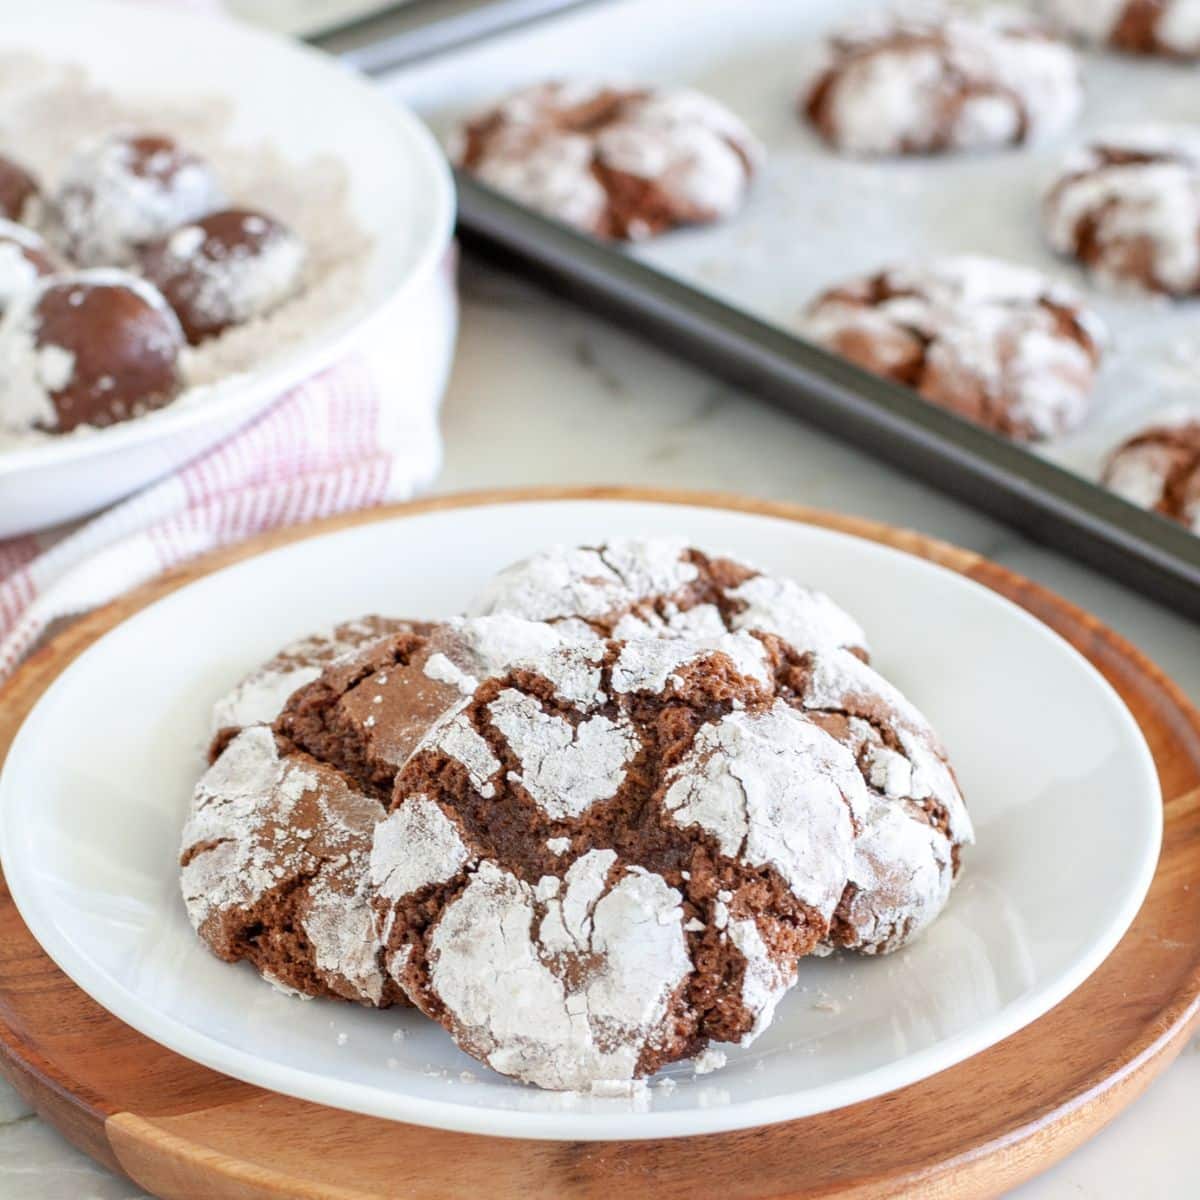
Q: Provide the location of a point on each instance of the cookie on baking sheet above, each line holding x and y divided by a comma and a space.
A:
932, 79
612, 855
617, 162
999, 344
1127, 205
1159, 468
662, 587
1168, 28
275, 847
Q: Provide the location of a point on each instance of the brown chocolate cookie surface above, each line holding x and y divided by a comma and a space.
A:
259, 697
273, 856
1159, 469
89, 348
604, 859
662, 587
124, 190
616, 162
20, 195
275, 848
1167, 28
224, 269
939, 80
1127, 206
999, 344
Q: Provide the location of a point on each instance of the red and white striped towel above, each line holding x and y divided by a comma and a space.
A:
338, 442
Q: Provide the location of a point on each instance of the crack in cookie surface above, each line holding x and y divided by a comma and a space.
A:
662, 587
481, 875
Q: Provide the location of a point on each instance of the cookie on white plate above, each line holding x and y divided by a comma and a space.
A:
610, 856
274, 852
628, 587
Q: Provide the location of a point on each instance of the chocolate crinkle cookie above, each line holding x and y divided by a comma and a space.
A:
1168, 28
1127, 205
259, 697
999, 344
910, 837
1159, 469
616, 162
932, 79
273, 857
589, 830
612, 855
662, 587
274, 851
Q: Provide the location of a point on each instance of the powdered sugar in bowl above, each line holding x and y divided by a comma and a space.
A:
288, 132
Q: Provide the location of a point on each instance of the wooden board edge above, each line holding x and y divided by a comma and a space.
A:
141, 1148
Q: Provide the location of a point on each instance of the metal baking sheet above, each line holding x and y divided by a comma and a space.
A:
380, 35
729, 295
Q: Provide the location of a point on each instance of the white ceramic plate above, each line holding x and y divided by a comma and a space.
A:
1060, 782
304, 104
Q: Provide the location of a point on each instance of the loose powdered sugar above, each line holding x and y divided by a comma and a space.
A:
19, 248
48, 109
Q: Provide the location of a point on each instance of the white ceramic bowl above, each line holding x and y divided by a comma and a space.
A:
1061, 786
400, 192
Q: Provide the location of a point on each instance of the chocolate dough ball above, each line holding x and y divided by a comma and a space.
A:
224, 269
125, 190
90, 348
20, 194
24, 259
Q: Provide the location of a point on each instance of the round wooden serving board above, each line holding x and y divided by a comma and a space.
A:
182, 1131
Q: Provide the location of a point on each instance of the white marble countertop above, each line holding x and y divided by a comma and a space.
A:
543, 393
